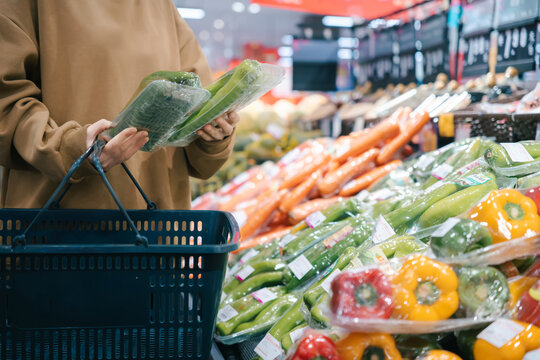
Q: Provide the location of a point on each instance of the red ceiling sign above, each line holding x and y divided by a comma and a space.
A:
367, 9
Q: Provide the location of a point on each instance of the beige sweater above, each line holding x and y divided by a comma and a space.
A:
65, 64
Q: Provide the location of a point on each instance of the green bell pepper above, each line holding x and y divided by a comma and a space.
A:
465, 236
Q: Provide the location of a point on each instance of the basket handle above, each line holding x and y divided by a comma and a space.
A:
233, 227
95, 152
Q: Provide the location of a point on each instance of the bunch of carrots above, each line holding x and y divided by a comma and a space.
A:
267, 201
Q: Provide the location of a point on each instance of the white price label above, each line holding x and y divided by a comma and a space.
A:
338, 236
264, 295
425, 161
445, 227
315, 219
240, 217
275, 130
442, 171
286, 239
300, 267
473, 180
269, 348
382, 230
226, 314
343, 148
362, 195
500, 332
532, 355
472, 165
433, 187
327, 283
383, 194
244, 273
234, 269
297, 334
250, 254
517, 152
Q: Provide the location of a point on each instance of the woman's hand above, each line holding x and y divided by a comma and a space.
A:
119, 148
224, 127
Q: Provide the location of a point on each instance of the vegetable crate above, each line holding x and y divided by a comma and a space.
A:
111, 284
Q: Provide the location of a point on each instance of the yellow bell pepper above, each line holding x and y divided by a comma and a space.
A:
381, 346
515, 349
518, 285
425, 290
507, 214
439, 355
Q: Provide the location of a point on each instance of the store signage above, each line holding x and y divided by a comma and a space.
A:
478, 16
516, 47
435, 62
432, 32
384, 43
406, 38
475, 50
516, 12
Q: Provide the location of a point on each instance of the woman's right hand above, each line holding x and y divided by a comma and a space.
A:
119, 148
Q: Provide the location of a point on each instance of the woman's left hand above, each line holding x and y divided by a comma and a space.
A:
224, 127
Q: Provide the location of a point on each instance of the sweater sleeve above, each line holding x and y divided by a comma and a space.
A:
204, 157
29, 138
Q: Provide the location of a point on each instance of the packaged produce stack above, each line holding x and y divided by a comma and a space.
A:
351, 249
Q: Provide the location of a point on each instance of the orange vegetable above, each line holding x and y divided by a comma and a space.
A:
334, 180
362, 182
334, 165
300, 192
279, 218
245, 192
258, 218
385, 129
300, 212
264, 238
305, 168
411, 128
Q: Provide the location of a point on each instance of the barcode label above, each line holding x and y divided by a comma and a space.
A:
269, 348
425, 161
244, 273
338, 236
517, 152
250, 254
315, 219
226, 314
382, 231
445, 227
297, 334
500, 332
264, 295
473, 180
300, 267
442, 171
383, 194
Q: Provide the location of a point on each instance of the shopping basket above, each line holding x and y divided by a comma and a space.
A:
110, 284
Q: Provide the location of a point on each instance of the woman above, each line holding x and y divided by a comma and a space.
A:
66, 64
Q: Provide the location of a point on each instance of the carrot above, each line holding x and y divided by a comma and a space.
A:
368, 178
334, 180
245, 192
300, 212
410, 129
304, 169
384, 130
238, 181
279, 218
300, 192
265, 238
258, 218
333, 166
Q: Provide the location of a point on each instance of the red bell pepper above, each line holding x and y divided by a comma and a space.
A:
316, 346
534, 194
528, 306
364, 294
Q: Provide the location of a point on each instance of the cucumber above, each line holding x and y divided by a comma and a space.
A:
241, 83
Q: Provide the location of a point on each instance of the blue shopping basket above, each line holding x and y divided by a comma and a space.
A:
110, 284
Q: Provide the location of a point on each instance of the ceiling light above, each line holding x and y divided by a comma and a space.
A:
219, 24
254, 8
287, 39
347, 42
345, 54
338, 21
285, 51
238, 7
191, 13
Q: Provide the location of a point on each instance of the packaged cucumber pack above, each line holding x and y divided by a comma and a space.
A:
163, 100
233, 91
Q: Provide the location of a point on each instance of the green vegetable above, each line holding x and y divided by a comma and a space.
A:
456, 203
317, 312
254, 283
400, 245
483, 291
412, 346
248, 308
286, 340
290, 319
242, 82
497, 156
334, 212
465, 236
267, 316
258, 267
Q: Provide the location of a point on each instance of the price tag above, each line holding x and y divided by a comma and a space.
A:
362, 195
244, 273
250, 254
425, 161
472, 165
234, 269
532, 355
275, 130
300, 267
337, 236
500, 332
433, 187
297, 334
473, 180
343, 148
315, 219
240, 217
383, 194
445, 227
442, 171
226, 314
286, 239
517, 152
327, 283
269, 348
264, 295
382, 231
